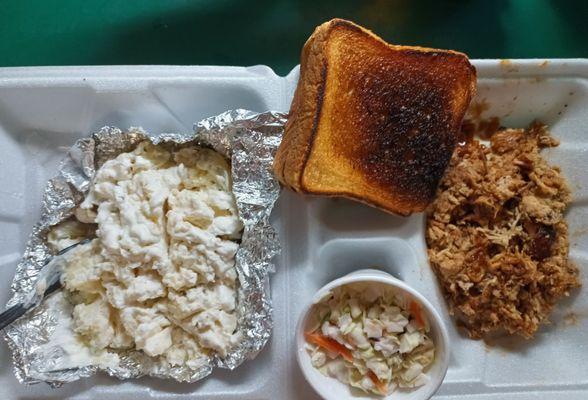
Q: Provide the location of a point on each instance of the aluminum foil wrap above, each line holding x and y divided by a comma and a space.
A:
250, 140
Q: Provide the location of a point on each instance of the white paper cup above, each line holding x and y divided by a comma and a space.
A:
331, 388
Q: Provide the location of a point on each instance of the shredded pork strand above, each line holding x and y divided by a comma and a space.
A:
496, 235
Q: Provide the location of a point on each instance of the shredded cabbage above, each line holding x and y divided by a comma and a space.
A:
371, 324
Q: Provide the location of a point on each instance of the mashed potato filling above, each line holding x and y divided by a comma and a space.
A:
160, 275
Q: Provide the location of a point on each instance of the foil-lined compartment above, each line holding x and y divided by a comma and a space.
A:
250, 140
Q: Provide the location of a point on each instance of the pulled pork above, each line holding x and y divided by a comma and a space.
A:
496, 235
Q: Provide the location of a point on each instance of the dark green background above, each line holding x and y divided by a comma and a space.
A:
232, 32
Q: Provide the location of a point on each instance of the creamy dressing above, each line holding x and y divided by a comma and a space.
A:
68, 349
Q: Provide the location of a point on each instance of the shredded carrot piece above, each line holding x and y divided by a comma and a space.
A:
415, 310
329, 344
381, 386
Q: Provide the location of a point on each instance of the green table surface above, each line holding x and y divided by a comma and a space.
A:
272, 32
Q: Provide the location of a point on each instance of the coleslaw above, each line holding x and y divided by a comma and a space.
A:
371, 338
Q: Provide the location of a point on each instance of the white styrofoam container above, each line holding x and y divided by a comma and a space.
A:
44, 110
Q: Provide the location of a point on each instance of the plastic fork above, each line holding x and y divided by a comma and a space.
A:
51, 272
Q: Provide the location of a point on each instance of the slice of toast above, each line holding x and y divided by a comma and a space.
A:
372, 121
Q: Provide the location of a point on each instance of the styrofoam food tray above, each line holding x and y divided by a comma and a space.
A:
44, 110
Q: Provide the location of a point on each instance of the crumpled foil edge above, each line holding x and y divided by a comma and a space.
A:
250, 140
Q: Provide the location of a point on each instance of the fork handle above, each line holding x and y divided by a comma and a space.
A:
18, 310
11, 315
15, 312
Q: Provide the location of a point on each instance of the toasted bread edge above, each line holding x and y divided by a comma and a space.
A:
305, 111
